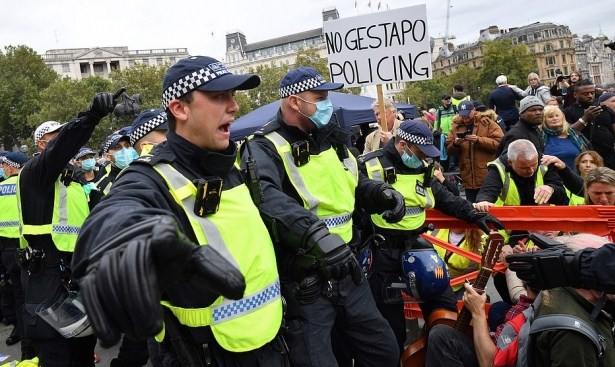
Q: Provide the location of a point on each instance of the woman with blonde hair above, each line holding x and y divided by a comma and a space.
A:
536, 88
559, 138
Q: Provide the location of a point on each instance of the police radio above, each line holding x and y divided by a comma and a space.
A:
208, 195
252, 178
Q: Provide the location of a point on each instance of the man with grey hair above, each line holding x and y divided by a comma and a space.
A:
378, 138
516, 178
503, 101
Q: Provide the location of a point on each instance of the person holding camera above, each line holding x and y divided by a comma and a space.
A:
474, 139
596, 123
564, 87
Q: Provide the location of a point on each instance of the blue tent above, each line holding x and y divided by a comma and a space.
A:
349, 109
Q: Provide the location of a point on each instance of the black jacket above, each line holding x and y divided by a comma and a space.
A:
37, 189
600, 131
445, 201
140, 193
504, 100
282, 204
522, 130
492, 186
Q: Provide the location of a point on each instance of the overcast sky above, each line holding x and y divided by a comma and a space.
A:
140, 24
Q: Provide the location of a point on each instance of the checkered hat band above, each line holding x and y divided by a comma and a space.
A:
10, 162
301, 86
43, 132
414, 139
147, 127
189, 83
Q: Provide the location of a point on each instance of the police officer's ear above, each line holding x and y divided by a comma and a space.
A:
293, 102
178, 109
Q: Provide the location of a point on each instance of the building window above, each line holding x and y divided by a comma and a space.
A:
551, 73
550, 60
561, 44
159, 61
66, 68
565, 70
564, 58
536, 35
172, 59
145, 61
548, 47
522, 39
131, 63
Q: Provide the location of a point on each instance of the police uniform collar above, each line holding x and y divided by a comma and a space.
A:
210, 163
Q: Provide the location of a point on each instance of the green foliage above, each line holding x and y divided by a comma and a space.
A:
267, 91
499, 57
23, 75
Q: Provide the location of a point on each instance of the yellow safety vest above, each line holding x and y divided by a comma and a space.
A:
70, 209
326, 187
417, 198
457, 264
9, 213
574, 200
254, 320
509, 195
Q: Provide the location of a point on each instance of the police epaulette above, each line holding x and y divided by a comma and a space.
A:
369, 156
268, 127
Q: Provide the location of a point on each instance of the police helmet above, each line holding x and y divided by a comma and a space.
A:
425, 274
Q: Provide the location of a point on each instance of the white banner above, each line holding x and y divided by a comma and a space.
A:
383, 47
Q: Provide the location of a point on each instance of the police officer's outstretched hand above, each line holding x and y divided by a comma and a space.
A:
546, 269
394, 204
123, 283
482, 219
104, 103
335, 259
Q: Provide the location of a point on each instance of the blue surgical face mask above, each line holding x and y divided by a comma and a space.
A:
124, 157
324, 111
411, 161
88, 164
4, 176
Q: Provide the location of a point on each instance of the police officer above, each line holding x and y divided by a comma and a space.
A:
148, 130
84, 160
53, 207
200, 244
120, 154
9, 243
310, 183
402, 163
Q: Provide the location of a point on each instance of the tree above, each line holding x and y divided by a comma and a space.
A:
501, 57
268, 90
23, 75
143, 79
425, 93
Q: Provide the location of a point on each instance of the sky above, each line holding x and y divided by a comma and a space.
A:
201, 25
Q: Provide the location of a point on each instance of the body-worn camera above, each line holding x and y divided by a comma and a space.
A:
208, 195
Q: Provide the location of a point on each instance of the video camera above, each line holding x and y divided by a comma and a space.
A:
560, 75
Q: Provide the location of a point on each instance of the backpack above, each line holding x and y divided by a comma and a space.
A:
515, 341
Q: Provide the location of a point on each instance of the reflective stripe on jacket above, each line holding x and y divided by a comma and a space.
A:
417, 198
237, 233
325, 185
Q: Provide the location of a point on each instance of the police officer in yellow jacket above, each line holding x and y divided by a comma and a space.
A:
189, 246
403, 163
11, 165
53, 208
310, 182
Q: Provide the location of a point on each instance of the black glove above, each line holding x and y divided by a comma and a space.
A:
335, 259
104, 103
394, 204
545, 269
122, 284
481, 219
308, 290
296, 266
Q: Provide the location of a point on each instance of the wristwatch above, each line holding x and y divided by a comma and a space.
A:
582, 121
